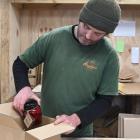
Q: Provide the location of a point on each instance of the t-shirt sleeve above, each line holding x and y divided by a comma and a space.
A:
37, 53
109, 81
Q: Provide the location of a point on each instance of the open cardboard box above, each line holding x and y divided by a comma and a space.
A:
12, 128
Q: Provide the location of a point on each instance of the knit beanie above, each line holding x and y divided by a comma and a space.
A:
101, 14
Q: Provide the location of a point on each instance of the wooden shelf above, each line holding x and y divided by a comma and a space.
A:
49, 1
129, 2
121, 2
129, 88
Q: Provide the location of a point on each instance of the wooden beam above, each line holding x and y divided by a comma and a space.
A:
121, 2
4, 46
0, 45
9, 48
129, 2
49, 1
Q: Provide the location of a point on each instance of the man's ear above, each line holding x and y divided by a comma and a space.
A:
108, 35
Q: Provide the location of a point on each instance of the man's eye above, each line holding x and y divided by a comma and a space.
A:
86, 26
98, 34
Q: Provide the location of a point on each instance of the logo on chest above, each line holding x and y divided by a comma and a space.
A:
90, 65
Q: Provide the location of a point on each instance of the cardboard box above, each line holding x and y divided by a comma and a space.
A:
128, 126
12, 128
99, 139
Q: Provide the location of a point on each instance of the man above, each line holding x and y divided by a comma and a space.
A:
80, 74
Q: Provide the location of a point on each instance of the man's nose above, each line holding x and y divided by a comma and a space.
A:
89, 35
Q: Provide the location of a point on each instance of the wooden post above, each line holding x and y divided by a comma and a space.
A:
9, 47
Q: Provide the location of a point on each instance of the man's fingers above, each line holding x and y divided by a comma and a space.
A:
64, 119
16, 108
35, 98
18, 104
59, 119
57, 116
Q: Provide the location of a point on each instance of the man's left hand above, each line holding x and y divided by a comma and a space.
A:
72, 120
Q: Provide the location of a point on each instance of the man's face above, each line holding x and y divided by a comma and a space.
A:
88, 35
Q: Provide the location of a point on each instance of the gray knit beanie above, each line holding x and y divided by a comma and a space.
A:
101, 14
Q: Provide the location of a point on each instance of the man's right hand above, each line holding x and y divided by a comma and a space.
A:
23, 95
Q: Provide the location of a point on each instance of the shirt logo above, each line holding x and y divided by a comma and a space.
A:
90, 65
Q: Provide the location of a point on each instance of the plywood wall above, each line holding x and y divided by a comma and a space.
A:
38, 19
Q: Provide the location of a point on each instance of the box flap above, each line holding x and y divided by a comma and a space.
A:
49, 130
9, 117
7, 109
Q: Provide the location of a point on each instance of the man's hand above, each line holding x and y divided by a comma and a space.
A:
23, 95
72, 120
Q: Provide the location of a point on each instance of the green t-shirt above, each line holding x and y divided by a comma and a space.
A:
72, 73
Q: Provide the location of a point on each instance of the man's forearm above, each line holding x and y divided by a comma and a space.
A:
96, 109
20, 72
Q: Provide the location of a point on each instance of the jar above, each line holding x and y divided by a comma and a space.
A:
32, 113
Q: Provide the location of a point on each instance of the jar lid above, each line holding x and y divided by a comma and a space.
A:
30, 104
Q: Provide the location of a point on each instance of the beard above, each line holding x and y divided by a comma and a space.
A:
81, 37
